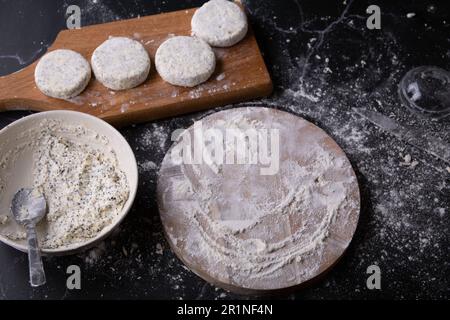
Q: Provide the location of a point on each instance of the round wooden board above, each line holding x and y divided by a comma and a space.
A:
253, 233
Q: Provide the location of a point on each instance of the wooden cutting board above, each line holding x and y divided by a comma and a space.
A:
252, 233
240, 75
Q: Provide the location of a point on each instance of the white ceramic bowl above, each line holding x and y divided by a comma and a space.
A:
20, 174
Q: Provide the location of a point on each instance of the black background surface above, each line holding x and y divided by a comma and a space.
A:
324, 62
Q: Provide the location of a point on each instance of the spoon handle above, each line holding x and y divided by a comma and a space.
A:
37, 274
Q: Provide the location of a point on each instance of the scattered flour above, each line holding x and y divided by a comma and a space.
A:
148, 165
155, 136
220, 77
159, 249
124, 107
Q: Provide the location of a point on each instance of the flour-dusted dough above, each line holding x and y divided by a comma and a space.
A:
185, 61
62, 74
121, 63
221, 23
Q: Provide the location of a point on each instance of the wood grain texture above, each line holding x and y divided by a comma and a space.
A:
193, 217
244, 71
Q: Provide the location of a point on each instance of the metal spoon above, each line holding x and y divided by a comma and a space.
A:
28, 208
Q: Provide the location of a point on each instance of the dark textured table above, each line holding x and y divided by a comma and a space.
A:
324, 62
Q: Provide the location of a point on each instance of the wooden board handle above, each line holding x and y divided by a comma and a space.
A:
12, 89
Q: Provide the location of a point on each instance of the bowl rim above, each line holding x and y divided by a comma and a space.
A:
123, 143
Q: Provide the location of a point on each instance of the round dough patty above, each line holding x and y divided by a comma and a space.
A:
62, 74
221, 23
121, 63
185, 61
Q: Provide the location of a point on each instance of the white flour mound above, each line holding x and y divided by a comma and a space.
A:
256, 231
185, 61
221, 23
121, 63
62, 74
